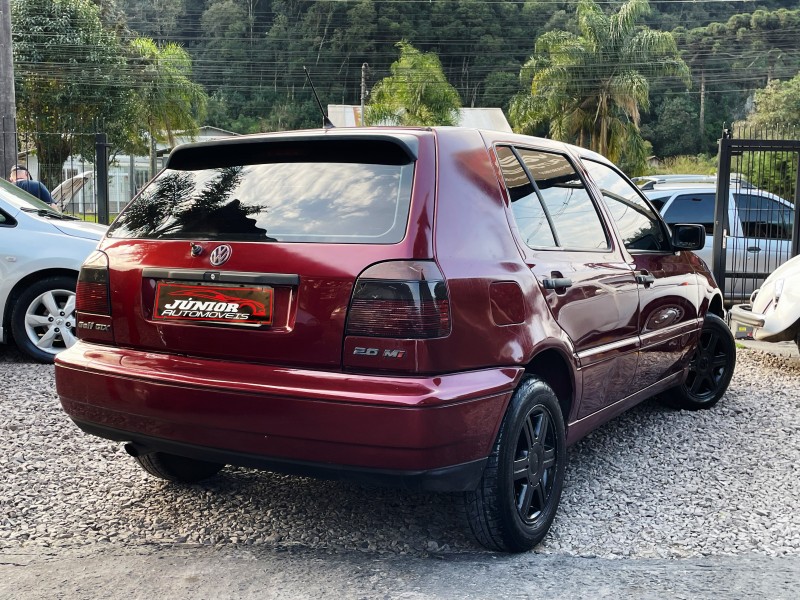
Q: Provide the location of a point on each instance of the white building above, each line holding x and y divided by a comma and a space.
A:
126, 175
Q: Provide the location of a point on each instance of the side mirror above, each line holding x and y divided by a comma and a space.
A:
688, 237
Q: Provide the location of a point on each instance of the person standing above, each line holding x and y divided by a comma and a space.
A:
22, 178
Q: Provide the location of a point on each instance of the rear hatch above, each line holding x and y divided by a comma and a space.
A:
249, 249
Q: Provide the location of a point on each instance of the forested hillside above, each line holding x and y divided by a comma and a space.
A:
248, 55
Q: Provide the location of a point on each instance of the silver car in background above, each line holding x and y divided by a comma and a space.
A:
41, 252
758, 228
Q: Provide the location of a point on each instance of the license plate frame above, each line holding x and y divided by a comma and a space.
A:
179, 301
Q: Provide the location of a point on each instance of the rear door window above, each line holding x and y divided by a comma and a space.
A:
525, 203
763, 217
325, 199
565, 200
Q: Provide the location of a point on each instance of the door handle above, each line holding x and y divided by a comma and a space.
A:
557, 283
645, 278
753, 249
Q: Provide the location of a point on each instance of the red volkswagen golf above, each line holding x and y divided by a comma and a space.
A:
444, 309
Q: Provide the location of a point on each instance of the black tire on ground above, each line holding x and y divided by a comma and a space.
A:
177, 468
518, 495
43, 318
710, 369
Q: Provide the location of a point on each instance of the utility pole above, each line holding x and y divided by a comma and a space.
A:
8, 103
364, 69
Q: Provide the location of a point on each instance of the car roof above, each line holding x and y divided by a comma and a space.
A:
684, 180
669, 190
675, 178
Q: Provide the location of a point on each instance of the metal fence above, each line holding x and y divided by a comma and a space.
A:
82, 178
756, 228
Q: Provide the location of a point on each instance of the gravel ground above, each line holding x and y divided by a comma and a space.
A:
654, 483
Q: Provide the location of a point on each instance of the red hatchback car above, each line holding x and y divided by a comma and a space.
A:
443, 309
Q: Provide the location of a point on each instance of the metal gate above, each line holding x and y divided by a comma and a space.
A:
756, 228
79, 186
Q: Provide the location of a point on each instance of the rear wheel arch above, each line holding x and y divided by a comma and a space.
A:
26, 282
552, 367
516, 500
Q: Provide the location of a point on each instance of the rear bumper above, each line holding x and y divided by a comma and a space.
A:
778, 324
420, 432
743, 313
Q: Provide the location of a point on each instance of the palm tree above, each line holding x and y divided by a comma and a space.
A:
417, 92
169, 100
590, 88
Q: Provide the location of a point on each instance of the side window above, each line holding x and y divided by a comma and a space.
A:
6, 221
638, 225
659, 202
764, 217
566, 201
525, 204
692, 208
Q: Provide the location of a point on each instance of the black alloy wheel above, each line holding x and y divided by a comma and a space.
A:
710, 368
518, 495
534, 468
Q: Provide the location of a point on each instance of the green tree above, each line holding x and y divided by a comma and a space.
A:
416, 93
775, 114
675, 131
154, 18
703, 48
70, 77
777, 105
590, 88
169, 101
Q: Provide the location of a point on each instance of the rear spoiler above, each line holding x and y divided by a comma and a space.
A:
335, 147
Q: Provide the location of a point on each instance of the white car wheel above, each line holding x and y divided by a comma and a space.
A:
43, 322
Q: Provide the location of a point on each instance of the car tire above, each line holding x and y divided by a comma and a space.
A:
43, 318
710, 369
517, 498
178, 469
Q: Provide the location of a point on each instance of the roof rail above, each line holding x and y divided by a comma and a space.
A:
648, 182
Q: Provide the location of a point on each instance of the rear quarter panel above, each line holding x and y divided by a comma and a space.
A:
475, 249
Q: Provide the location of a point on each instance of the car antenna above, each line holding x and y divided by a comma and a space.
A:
326, 122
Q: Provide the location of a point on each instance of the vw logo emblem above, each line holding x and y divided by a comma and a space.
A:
220, 254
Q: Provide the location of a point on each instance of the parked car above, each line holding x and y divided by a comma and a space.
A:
445, 309
41, 252
774, 309
758, 224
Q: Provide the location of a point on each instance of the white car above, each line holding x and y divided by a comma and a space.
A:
758, 227
41, 252
774, 309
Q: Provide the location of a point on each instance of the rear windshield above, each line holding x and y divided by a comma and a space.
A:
292, 201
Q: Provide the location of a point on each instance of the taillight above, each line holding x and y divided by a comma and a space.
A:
400, 299
91, 295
